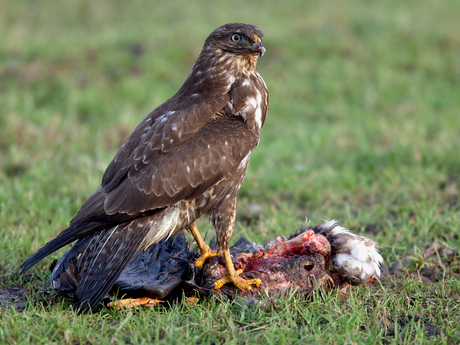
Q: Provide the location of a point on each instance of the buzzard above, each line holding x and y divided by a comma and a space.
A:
187, 158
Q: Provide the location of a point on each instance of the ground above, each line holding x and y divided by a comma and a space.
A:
363, 127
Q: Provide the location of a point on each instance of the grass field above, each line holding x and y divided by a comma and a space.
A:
363, 127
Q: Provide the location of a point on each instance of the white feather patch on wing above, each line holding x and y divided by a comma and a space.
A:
246, 82
259, 110
245, 161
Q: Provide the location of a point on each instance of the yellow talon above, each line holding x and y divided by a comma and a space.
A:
232, 276
206, 252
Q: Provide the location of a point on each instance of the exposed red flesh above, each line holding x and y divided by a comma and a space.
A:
298, 263
306, 243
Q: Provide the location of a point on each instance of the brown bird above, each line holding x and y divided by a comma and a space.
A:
187, 158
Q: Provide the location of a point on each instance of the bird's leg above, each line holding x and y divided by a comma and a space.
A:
206, 252
232, 276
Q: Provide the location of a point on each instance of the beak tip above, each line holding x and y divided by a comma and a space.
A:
262, 51
258, 48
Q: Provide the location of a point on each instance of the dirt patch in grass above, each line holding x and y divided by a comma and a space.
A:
433, 264
13, 297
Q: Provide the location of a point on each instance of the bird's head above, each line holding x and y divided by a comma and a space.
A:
230, 52
238, 39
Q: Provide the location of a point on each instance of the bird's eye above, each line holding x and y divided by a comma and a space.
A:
236, 37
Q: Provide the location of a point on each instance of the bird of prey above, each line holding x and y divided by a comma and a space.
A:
187, 158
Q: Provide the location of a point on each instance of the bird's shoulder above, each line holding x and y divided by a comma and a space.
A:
167, 127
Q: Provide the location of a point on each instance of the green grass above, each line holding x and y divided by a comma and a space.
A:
364, 127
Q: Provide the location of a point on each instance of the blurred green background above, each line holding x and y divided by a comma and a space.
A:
364, 120
363, 126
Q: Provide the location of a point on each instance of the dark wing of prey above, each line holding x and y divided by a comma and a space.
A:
169, 157
94, 263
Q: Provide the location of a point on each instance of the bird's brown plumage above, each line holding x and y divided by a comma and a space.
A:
187, 158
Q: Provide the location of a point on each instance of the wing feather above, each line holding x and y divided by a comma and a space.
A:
153, 135
177, 175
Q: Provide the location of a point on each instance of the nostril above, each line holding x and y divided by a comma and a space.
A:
308, 267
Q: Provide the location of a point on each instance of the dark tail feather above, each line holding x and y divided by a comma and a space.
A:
66, 237
93, 265
69, 235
